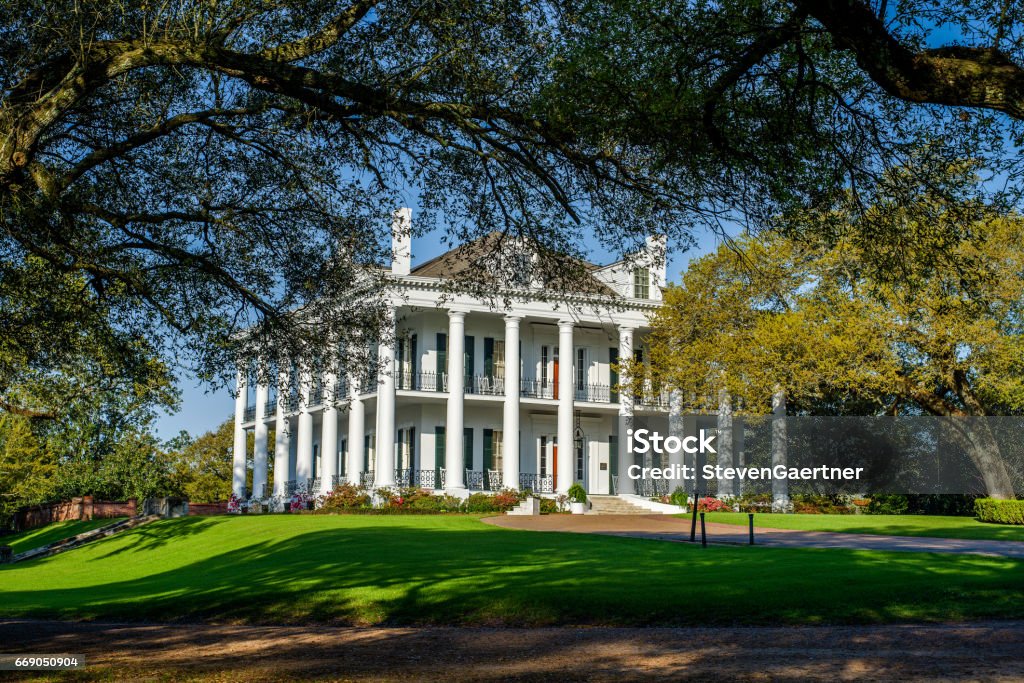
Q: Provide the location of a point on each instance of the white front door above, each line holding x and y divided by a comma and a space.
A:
599, 466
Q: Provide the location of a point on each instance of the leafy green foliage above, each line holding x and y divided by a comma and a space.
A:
927, 322
1000, 511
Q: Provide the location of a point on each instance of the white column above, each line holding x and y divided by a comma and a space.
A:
282, 435
329, 434
510, 423
454, 463
566, 448
259, 459
304, 447
675, 428
625, 484
356, 429
385, 475
780, 487
726, 487
238, 453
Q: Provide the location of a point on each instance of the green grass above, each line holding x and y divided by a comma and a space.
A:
44, 535
886, 525
457, 570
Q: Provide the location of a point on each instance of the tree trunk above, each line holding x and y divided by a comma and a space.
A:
984, 452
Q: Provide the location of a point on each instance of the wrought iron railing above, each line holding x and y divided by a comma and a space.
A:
535, 388
593, 393
270, 407
485, 385
250, 414
403, 477
654, 399
290, 487
651, 487
474, 480
428, 479
492, 480
366, 479
421, 381
538, 483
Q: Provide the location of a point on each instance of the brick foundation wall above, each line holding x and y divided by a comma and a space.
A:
72, 510
220, 508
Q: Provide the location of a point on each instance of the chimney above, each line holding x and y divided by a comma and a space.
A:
401, 241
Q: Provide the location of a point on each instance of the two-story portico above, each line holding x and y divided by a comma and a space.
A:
465, 396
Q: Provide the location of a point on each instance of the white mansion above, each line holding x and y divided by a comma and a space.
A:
469, 397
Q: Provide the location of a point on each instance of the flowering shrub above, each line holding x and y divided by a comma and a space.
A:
709, 504
234, 504
300, 501
345, 497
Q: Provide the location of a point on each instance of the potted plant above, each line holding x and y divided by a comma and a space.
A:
577, 499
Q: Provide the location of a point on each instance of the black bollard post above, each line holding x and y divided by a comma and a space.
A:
703, 532
751, 515
693, 521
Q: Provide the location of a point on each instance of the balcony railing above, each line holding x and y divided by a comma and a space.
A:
270, 407
250, 413
422, 381
428, 479
485, 385
654, 399
593, 393
538, 483
533, 388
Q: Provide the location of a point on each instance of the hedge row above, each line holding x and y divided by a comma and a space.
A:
1000, 511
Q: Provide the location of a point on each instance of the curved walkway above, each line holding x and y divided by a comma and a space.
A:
668, 528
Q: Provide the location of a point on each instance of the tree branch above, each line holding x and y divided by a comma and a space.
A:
958, 76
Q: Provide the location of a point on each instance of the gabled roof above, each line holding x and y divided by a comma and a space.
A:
461, 259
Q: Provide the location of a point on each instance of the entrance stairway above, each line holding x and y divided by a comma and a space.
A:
613, 505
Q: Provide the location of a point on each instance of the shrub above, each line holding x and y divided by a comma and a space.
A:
819, 504
577, 494
922, 504
345, 497
709, 504
548, 506
679, 497
1000, 511
753, 502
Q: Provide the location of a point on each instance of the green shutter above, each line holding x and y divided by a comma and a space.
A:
467, 447
488, 356
439, 446
442, 359
488, 455
470, 358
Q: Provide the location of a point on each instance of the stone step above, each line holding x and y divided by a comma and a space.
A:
613, 505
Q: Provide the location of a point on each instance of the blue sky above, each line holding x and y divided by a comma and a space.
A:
203, 410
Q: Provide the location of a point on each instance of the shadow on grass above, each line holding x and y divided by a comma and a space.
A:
462, 572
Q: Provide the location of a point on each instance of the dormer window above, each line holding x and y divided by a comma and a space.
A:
642, 283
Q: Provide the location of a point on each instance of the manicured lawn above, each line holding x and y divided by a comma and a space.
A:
457, 570
887, 525
44, 535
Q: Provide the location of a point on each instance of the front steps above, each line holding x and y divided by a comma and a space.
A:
613, 505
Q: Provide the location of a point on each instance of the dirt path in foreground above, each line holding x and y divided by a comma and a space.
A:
986, 651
